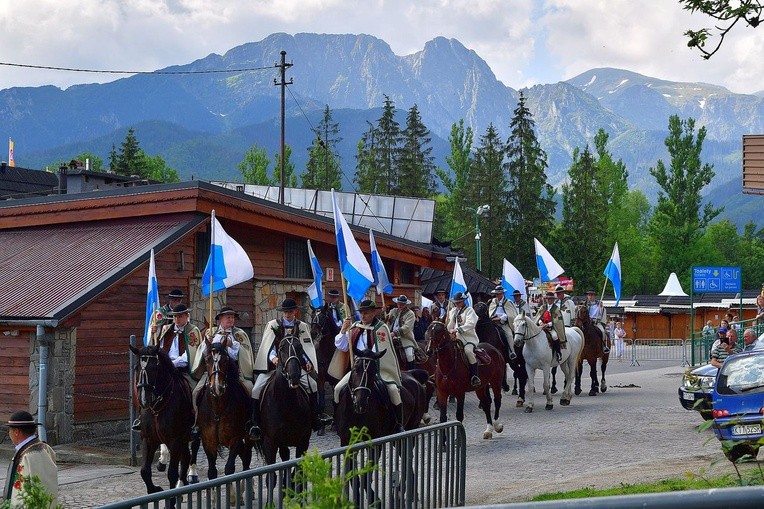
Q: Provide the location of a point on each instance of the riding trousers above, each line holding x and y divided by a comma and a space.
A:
469, 352
262, 379
392, 390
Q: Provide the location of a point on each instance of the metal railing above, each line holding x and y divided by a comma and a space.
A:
701, 343
656, 350
423, 468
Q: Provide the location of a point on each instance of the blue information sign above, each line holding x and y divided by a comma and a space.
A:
716, 280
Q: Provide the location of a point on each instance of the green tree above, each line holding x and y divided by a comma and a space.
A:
290, 179
679, 219
157, 169
96, 163
130, 160
254, 167
416, 169
531, 203
637, 262
726, 14
323, 169
113, 159
450, 216
367, 176
751, 254
387, 149
582, 234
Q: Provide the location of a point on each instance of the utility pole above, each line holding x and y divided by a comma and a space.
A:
283, 66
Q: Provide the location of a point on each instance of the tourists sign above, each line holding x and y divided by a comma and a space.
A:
716, 280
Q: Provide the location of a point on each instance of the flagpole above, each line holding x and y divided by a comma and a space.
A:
345, 295
212, 263
602, 297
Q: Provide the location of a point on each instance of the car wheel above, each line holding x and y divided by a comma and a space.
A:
707, 414
738, 451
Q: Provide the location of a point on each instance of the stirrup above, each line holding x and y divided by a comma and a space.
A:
512, 356
605, 349
136, 426
326, 420
475, 381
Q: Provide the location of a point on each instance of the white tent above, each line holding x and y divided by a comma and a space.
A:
673, 288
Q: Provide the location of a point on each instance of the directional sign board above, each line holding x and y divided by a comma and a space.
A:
716, 280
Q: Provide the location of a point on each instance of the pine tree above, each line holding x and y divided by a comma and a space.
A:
387, 149
113, 159
531, 203
367, 178
416, 169
323, 170
254, 167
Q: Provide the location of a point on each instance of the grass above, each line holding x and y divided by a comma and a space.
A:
749, 477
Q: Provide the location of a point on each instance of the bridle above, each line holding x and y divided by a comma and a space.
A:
144, 386
292, 355
217, 389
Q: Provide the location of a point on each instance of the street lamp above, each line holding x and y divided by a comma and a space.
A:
481, 211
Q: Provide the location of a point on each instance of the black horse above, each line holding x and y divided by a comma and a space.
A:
166, 413
223, 410
323, 329
489, 332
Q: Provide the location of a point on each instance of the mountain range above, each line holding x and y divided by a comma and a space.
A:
202, 124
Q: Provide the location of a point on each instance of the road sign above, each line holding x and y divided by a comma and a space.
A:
716, 280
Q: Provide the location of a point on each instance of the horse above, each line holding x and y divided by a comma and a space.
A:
489, 332
166, 414
591, 352
539, 355
323, 329
223, 411
452, 377
424, 362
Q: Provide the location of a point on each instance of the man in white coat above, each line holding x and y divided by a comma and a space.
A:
461, 324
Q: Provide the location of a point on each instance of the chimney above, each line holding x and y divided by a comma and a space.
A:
87, 164
62, 175
3, 166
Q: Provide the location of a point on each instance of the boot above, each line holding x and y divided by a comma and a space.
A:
398, 414
410, 365
474, 378
556, 349
605, 349
318, 420
254, 430
136, 424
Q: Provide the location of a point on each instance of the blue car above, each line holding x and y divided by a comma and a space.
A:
738, 405
697, 390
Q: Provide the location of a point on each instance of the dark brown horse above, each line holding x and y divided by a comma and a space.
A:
323, 329
427, 364
591, 352
166, 413
489, 332
452, 377
223, 410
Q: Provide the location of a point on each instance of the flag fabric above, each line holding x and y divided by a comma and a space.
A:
613, 273
315, 291
11, 160
458, 284
152, 299
512, 280
548, 266
380, 274
353, 264
228, 264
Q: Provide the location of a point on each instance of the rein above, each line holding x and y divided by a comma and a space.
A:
143, 382
290, 340
364, 382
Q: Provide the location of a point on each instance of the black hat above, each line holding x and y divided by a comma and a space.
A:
288, 305
176, 294
559, 289
334, 292
592, 292
226, 310
367, 305
180, 309
402, 300
549, 294
517, 292
459, 297
498, 289
21, 419
441, 290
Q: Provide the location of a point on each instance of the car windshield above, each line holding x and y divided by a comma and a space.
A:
742, 374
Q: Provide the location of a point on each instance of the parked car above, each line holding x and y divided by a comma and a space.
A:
738, 405
696, 390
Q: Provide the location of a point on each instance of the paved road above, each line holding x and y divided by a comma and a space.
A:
635, 432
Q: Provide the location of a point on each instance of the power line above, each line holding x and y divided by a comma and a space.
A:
111, 71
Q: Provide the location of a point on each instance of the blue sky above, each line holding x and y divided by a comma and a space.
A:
525, 42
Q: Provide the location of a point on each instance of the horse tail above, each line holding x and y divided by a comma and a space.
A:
581, 347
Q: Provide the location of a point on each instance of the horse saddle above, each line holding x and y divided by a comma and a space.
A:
550, 339
420, 356
482, 356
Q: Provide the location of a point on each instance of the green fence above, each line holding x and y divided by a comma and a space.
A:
700, 350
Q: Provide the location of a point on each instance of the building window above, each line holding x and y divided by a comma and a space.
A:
296, 263
202, 251
406, 273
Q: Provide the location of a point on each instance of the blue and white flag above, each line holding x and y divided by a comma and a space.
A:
353, 264
152, 299
315, 291
613, 273
548, 267
512, 280
228, 264
380, 274
458, 284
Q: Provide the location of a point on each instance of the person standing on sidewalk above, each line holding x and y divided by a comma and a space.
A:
32, 457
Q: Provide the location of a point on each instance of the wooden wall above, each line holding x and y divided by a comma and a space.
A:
14, 391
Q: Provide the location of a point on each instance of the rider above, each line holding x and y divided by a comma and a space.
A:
461, 324
502, 312
161, 316
567, 307
442, 304
268, 359
549, 316
598, 315
179, 340
239, 350
520, 304
401, 321
336, 309
368, 333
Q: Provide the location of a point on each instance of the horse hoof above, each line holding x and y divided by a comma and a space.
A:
554, 389
578, 392
603, 388
505, 387
514, 392
549, 406
498, 427
426, 418
593, 392
193, 479
565, 402
519, 403
487, 435
528, 409
161, 467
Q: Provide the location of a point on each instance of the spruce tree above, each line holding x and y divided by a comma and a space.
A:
416, 169
323, 170
450, 219
531, 203
387, 149
367, 176
130, 161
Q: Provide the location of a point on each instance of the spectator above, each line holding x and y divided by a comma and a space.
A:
750, 341
32, 457
619, 334
760, 306
726, 348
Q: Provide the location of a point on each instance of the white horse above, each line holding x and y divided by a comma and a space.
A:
539, 355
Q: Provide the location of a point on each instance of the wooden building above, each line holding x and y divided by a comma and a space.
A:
73, 277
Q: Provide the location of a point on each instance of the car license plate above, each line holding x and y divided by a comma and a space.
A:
746, 429
688, 396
